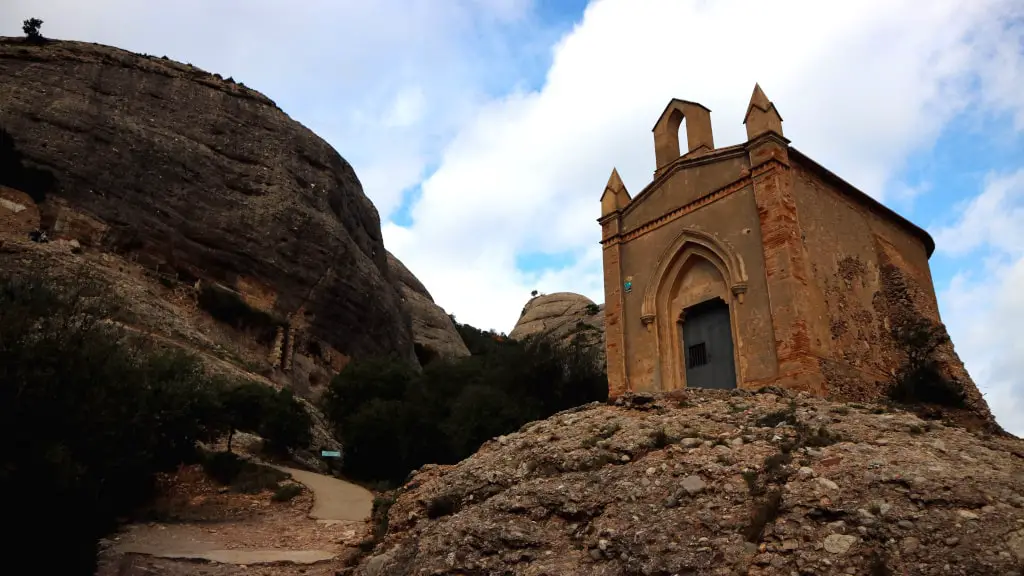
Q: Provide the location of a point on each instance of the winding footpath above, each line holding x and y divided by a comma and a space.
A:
334, 501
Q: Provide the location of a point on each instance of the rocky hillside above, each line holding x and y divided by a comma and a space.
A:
562, 316
709, 482
208, 186
433, 332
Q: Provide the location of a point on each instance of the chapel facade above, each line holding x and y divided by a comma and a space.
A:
753, 265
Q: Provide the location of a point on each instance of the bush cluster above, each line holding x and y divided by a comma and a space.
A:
276, 415
90, 414
31, 29
920, 378
393, 418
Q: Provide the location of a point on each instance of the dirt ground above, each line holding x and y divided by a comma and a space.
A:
195, 515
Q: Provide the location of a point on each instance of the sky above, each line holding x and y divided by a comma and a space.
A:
485, 130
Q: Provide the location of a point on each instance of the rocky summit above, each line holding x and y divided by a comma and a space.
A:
198, 178
708, 482
434, 334
562, 317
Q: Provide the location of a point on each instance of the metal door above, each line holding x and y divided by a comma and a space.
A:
707, 346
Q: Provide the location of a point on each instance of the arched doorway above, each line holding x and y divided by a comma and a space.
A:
695, 272
707, 345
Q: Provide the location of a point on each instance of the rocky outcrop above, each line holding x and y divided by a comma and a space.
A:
433, 332
563, 316
208, 184
712, 482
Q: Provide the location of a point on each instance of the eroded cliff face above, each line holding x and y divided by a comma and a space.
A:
561, 317
434, 334
714, 482
208, 184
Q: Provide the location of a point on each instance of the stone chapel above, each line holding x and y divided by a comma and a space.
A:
753, 265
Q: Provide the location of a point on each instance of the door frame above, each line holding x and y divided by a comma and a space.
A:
679, 348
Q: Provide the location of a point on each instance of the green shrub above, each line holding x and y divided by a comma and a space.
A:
286, 493
920, 378
96, 414
393, 419
228, 469
277, 416
31, 29
223, 467
286, 423
255, 478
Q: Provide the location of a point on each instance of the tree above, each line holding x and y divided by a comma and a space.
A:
920, 377
88, 416
31, 29
286, 423
393, 419
244, 406
534, 293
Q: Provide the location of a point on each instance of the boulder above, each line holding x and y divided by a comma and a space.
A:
434, 335
617, 489
563, 316
204, 182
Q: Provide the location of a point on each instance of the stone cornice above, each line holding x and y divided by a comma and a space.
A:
690, 207
666, 172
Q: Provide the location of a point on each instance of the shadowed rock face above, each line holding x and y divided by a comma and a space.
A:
432, 329
205, 179
561, 316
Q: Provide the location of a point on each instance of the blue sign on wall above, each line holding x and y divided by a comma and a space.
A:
330, 454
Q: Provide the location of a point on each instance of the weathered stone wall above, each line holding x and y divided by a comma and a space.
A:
684, 183
846, 245
815, 273
731, 216
874, 275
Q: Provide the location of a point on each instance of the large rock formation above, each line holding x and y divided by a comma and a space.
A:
433, 332
563, 316
206, 183
711, 482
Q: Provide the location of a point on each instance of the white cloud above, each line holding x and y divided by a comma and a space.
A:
985, 310
398, 86
861, 85
384, 81
406, 109
992, 219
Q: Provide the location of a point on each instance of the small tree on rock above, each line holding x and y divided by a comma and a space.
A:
920, 378
31, 29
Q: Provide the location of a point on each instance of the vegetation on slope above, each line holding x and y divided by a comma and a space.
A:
90, 415
393, 419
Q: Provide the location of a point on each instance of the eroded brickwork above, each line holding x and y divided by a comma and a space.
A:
617, 382
786, 273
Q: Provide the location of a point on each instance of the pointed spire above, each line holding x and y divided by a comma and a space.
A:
761, 102
758, 98
615, 196
762, 116
615, 182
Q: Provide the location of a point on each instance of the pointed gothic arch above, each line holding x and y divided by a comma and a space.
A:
693, 256
720, 254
